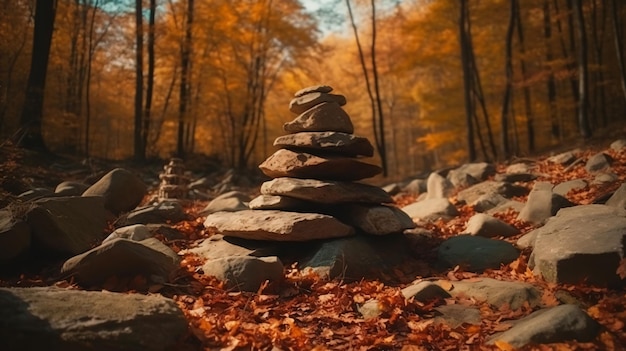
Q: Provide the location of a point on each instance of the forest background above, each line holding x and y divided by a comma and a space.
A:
430, 82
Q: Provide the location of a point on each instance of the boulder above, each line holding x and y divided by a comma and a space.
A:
605, 178
277, 225
376, 220
514, 177
460, 179
479, 171
325, 192
287, 163
14, 236
618, 199
230, 202
164, 212
121, 189
334, 143
618, 145
431, 210
520, 167
67, 225
488, 201
438, 187
325, 117
305, 102
487, 226
122, 258
507, 190
565, 187
416, 186
497, 293
455, 316
65, 319
551, 325
475, 253
219, 246
564, 158
70, 189
542, 204
598, 162
136, 232
245, 273
424, 292
581, 244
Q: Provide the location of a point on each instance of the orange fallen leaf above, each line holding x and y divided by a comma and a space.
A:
504, 346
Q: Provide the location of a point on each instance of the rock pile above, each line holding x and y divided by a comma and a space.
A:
314, 194
174, 183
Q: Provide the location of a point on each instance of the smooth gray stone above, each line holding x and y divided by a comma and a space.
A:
475, 253
245, 273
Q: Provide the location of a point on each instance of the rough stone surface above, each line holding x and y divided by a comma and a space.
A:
425, 292
509, 205
514, 177
302, 103
487, 226
35, 194
455, 316
479, 171
618, 145
14, 236
507, 190
556, 324
325, 192
231, 201
497, 293
542, 204
313, 89
564, 158
335, 143
136, 232
431, 209
287, 163
618, 199
163, 212
219, 246
597, 163
416, 186
121, 189
67, 225
326, 117
245, 273
521, 167
565, 187
62, 319
122, 258
276, 202
488, 201
475, 253
438, 187
461, 179
376, 220
604, 178
581, 244
70, 189
277, 225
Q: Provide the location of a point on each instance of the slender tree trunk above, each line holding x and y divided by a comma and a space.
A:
467, 79
185, 64
571, 63
619, 44
547, 32
147, 113
139, 148
508, 71
32, 111
583, 114
92, 48
380, 120
530, 127
598, 31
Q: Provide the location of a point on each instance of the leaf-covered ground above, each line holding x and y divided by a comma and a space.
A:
306, 313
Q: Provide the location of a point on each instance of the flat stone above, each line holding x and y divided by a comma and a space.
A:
514, 177
488, 201
277, 225
376, 220
167, 211
325, 117
313, 89
230, 201
564, 158
335, 143
581, 244
475, 253
497, 293
245, 273
122, 190
302, 103
455, 316
287, 163
425, 292
598, 162
551, 325
487, 226
15, 236
136, 232
325, 192
276, 202
122, 258
618, 145
505, 189
477, 172
565, 187
521, 167
542, 204
219, 246
618, 199
70, 189
431, 210
51, 318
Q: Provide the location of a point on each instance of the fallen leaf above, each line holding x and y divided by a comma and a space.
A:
504, 346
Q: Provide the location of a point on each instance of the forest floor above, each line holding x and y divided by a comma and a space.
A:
304, 311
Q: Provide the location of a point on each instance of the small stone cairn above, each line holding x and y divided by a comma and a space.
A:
314, 193
173, 181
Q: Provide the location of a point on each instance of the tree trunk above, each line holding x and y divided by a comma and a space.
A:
508, 71
619, 43
32, 111
185, 64
145, 129
599, 31
530, 127
139, 149
467, 79
382, 147
92, 48
547, 32
583, 115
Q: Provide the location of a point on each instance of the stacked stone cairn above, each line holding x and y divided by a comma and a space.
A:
173, 181
314, 193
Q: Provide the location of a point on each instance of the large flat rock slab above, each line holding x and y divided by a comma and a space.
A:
277, 225
335, 143
581, 244
287, 163
325, 192
62, 319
